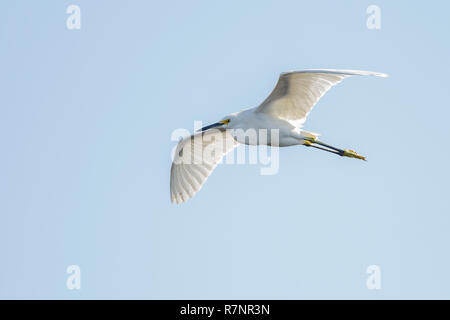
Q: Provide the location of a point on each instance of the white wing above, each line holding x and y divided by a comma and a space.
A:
194, 160
297, 92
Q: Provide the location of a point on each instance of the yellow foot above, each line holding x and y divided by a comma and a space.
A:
352, 154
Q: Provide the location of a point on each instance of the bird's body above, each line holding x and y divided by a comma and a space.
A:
283, 112
262, 123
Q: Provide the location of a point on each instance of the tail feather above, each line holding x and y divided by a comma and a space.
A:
308, 134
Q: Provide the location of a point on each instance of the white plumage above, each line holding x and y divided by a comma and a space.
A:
285, 109
192, 166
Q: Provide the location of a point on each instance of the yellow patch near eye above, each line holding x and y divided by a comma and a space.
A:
225, 121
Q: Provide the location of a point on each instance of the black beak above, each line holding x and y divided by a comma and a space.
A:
214, 125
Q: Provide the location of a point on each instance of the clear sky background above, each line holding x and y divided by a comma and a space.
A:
85, 123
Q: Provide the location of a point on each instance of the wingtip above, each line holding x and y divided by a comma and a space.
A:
339, 71
368, 73
176, 200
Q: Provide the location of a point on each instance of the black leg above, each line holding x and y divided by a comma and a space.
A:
324, 149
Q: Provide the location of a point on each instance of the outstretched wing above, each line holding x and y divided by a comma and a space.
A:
194, 159
297, 92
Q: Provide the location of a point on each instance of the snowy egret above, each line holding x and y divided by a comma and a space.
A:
285, 110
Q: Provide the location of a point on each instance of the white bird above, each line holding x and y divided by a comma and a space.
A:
285, 110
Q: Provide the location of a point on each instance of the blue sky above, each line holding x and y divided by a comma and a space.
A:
85, 126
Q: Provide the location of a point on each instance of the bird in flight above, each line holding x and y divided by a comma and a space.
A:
284, 110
